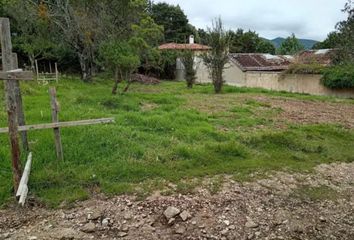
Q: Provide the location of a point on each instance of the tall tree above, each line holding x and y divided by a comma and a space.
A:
122, 59
249, 42
174, 20
187, 58
346, 33
291, 46
33, 36
265, 46
85, 24
202, 36
332, 41
146, 37
217, 57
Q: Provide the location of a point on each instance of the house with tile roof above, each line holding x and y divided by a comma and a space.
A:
198, 49
240, 64
257, 70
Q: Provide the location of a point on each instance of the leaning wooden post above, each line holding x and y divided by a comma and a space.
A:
20, 113
55, 119
23, 187
6, 49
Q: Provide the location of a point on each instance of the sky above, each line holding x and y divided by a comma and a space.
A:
309, 19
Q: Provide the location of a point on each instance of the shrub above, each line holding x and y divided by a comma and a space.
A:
299, 68
217, 57
188, 62
168, 64
339, 77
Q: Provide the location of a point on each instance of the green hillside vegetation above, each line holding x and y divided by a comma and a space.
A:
307, 43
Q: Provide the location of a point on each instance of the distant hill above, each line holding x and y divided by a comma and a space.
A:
308, 43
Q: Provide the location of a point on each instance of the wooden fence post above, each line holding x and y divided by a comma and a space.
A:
56, 72
6, 49
37, 72
20, 113
55, 118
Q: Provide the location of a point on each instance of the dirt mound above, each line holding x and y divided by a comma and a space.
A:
282, 206
143, 79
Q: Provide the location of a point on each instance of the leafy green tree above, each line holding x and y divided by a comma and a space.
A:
174, 20
121, 58
146, 37
202, 36
291, 46
249, 42
346, 34
187, 59
217, 57
265, 46
33, 34
168, 64
332, 41
85, 24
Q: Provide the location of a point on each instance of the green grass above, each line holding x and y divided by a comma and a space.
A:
162, 133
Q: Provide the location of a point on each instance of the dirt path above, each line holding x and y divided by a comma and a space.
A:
283, 206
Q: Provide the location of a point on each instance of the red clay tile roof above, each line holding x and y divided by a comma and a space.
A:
260, 62
178, 46
321, 56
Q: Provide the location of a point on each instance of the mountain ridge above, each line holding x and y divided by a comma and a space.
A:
307, 43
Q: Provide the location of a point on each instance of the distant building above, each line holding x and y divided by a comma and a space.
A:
321, 56
257, 70
266, 71
240, 63
197, 48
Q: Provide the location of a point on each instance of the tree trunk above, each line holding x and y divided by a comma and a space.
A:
218, 80
32, 61
116, 81
128, 77
86, 67
127, 87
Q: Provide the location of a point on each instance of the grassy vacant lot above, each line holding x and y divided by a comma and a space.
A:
164, 132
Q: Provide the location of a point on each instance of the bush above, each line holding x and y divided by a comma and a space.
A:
168, 64
339, 77
188, 62
299, 68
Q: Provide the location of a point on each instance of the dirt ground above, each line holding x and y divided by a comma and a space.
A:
312, 112
291, 110
318, 205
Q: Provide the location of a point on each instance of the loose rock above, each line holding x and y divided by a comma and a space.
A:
94, 215
170, 212
251, 224
180, 230
122, 234
184, 215
89, 228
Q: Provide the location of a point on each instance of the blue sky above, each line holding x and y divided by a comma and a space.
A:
312, 19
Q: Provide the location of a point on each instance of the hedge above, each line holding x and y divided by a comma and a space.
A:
338, 77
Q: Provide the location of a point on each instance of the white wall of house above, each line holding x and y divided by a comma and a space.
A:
233, 75
296, 83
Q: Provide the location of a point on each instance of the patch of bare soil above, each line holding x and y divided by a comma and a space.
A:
312, 112
143, 79
263, 209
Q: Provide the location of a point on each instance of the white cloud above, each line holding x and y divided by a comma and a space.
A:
312, 19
